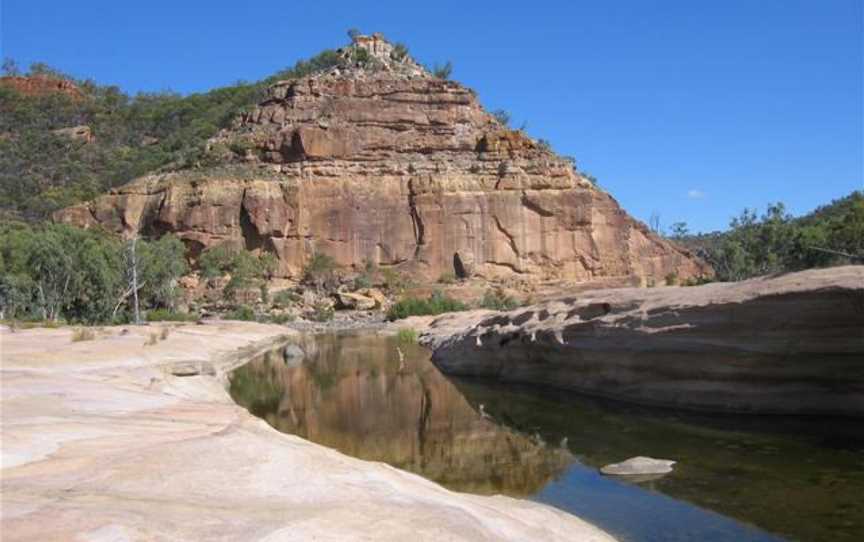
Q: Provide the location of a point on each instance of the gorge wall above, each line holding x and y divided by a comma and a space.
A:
377, 160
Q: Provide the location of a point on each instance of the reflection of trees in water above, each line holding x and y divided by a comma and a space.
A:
350, 394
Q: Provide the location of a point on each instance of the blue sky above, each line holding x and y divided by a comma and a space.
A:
690, 109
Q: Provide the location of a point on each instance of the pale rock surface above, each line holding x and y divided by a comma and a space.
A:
100, 441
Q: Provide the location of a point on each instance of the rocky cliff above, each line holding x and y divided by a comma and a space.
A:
792, 344
377, 160
42, 85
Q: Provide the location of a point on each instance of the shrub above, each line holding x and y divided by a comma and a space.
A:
697, 281
241, 312
366, 278
320, 269
448, 277
442, 72
281, 318
323, 312
166, 315
83, 334
590, 178
361, 56
437, 303
285, 298
672, 279
399, 52
394, 281
407, 335
502, 116
216, 261
362, 281
240, 147
498, 301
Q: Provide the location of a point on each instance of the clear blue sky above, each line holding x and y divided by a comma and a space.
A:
691, 109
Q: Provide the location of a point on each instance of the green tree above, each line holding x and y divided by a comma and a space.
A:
162, 263
10, 67
399, 52
54, 271
680, 230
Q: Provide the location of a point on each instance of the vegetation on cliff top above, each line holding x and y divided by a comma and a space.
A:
42, 170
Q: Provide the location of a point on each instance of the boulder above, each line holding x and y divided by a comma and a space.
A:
81, 133
355, 301
376, 294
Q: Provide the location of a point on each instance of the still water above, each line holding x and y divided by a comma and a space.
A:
738, 478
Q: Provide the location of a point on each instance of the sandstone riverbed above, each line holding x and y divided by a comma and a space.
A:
132, 435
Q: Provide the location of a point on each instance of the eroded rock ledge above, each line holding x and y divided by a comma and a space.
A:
787, 344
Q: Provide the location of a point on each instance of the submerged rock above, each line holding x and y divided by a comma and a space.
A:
639, 466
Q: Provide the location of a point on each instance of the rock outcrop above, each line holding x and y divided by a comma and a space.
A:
377, 160
788, 344
42, 85
81, 133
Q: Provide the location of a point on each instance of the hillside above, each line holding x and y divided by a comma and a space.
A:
44, 167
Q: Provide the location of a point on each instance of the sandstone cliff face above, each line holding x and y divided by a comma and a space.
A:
792, 344
385, 163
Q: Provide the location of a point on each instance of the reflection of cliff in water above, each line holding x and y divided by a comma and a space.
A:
358, 395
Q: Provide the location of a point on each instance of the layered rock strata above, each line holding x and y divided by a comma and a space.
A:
792, 344
376, 160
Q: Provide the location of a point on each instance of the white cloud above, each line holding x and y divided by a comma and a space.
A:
695, 194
